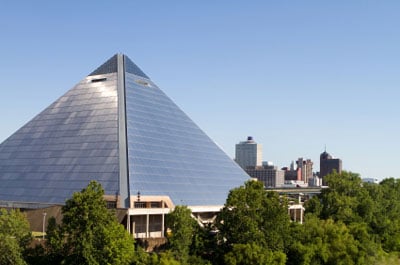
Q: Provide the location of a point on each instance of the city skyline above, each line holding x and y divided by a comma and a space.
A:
295, 76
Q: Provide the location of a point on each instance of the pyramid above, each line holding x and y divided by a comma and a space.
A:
118, 128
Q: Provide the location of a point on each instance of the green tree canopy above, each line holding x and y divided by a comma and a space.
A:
386, 220
327, 242
249, 254
90, 233
182, 231
14, 237
370, 212
253, 215
345, 200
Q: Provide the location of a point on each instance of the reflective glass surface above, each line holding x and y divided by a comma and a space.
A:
110, 66
59, 151
131, 67
169, 154
75, 140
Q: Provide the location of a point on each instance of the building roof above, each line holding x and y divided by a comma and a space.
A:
116, 127
325, 156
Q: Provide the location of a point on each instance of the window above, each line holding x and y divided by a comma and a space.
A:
111, 204
140, 204
99, 80
142, 82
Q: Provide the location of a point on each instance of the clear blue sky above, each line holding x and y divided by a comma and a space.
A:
296, 75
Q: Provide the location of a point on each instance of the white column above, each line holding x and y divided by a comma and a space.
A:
301, 215
128, 223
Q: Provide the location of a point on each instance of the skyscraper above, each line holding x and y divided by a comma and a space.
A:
305, 167
328, 164
248, 153
118, 128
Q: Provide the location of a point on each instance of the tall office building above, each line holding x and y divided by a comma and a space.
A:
118, 128
327, 165
306, 169
248, 153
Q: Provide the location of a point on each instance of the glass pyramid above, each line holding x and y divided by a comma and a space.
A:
117, 127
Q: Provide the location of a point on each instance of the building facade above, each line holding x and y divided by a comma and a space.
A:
328, 164
306, 169
248, 153
270, 175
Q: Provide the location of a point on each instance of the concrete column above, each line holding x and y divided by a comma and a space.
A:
128, 223
301, 215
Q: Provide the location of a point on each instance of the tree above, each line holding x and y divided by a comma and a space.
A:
253, 224
386, 220
249, 254
14, 237
89, 232
324, 242
346, 199
183, 228
253, 215
361, 210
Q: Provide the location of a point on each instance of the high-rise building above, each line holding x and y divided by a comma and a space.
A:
248, 153
328, 164
118, 128
306, 169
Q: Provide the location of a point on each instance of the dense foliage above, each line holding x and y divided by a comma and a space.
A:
253, 217
89, 232
350, 222
14, 237
369, 212
182, 228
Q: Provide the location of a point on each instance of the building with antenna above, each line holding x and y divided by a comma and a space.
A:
328, 164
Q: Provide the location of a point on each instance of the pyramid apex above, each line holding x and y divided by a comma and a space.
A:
111, 66
132, 68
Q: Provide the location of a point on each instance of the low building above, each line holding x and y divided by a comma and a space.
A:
269, 174
370, 180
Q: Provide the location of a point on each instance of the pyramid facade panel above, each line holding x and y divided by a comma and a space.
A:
169, 154
59, 151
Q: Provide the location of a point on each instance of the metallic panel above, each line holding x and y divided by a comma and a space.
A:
123, 151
